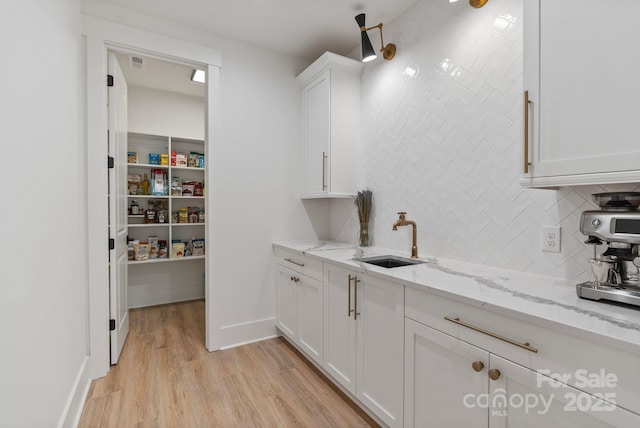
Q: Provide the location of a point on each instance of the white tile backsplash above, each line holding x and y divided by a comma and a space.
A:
446, 146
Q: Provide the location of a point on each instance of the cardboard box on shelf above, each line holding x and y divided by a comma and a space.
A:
177, 250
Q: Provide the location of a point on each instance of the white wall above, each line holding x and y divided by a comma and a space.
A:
156, 112
43, 290
151, 111
257, 182
257, 169
447, 146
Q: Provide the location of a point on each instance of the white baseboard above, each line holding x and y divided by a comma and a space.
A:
143, 296
75, 403
242, 334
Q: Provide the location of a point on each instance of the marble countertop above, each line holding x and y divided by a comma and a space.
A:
543, 300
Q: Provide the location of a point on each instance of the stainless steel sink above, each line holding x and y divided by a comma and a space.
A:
388, 261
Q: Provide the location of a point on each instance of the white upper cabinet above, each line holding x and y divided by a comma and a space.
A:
330, 126
580, 61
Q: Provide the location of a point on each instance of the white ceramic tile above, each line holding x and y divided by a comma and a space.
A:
447, 146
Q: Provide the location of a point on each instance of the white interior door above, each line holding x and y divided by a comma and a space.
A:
118, 307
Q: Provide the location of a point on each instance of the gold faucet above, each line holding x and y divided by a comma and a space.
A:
404, 222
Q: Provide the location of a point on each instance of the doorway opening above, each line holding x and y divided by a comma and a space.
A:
157, 181
100, 37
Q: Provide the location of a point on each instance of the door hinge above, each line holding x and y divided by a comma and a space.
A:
109, 80
112, 244
112, 325
110, 162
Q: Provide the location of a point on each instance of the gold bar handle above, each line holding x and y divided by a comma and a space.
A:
355, 300
294, 262
349, 310
526, 345
324, 169
526, 132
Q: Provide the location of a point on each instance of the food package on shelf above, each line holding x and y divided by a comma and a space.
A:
159, 182
198, 246
134, 182
153, 247
177, 250
181, 159
141, 251
162, 249
131, 254
183, 215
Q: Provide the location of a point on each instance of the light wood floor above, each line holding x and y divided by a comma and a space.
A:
166, 378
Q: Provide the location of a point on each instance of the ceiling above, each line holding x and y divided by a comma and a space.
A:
301, 28
162, 75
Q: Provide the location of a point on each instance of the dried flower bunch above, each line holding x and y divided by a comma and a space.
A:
363, 201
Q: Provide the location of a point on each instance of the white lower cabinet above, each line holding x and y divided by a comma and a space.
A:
441, 384
299, 310
451, 383
340, 328
418, 359
364, 324
521, 397
286, 302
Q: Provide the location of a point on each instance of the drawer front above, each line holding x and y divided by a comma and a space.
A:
299, 263
583, 364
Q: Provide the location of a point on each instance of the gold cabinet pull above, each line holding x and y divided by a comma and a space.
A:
494, 374
324, 168
526, 132
294, 262
355, 300
349, 310
526, 345
477, 366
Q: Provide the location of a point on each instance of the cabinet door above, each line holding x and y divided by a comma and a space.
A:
379, 307
340, 327
286, 302
520, 397
579, 71
442, 387
309, 309
316, 101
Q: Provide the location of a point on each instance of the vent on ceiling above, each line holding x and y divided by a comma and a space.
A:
136, 62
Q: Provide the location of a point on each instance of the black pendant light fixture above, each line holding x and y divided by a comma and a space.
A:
368, 53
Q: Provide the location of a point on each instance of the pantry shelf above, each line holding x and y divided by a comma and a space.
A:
151, 231
149, 224
165, 260
187, 168
148, 165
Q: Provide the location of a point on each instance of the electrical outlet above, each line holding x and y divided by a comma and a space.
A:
551, 239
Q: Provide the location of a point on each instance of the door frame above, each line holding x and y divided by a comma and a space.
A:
102, 36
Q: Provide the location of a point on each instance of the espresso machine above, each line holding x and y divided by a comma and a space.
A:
615, 272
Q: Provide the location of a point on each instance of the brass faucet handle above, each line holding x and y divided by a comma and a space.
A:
402, 212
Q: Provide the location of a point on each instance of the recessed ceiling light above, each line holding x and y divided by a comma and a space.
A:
198, 76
